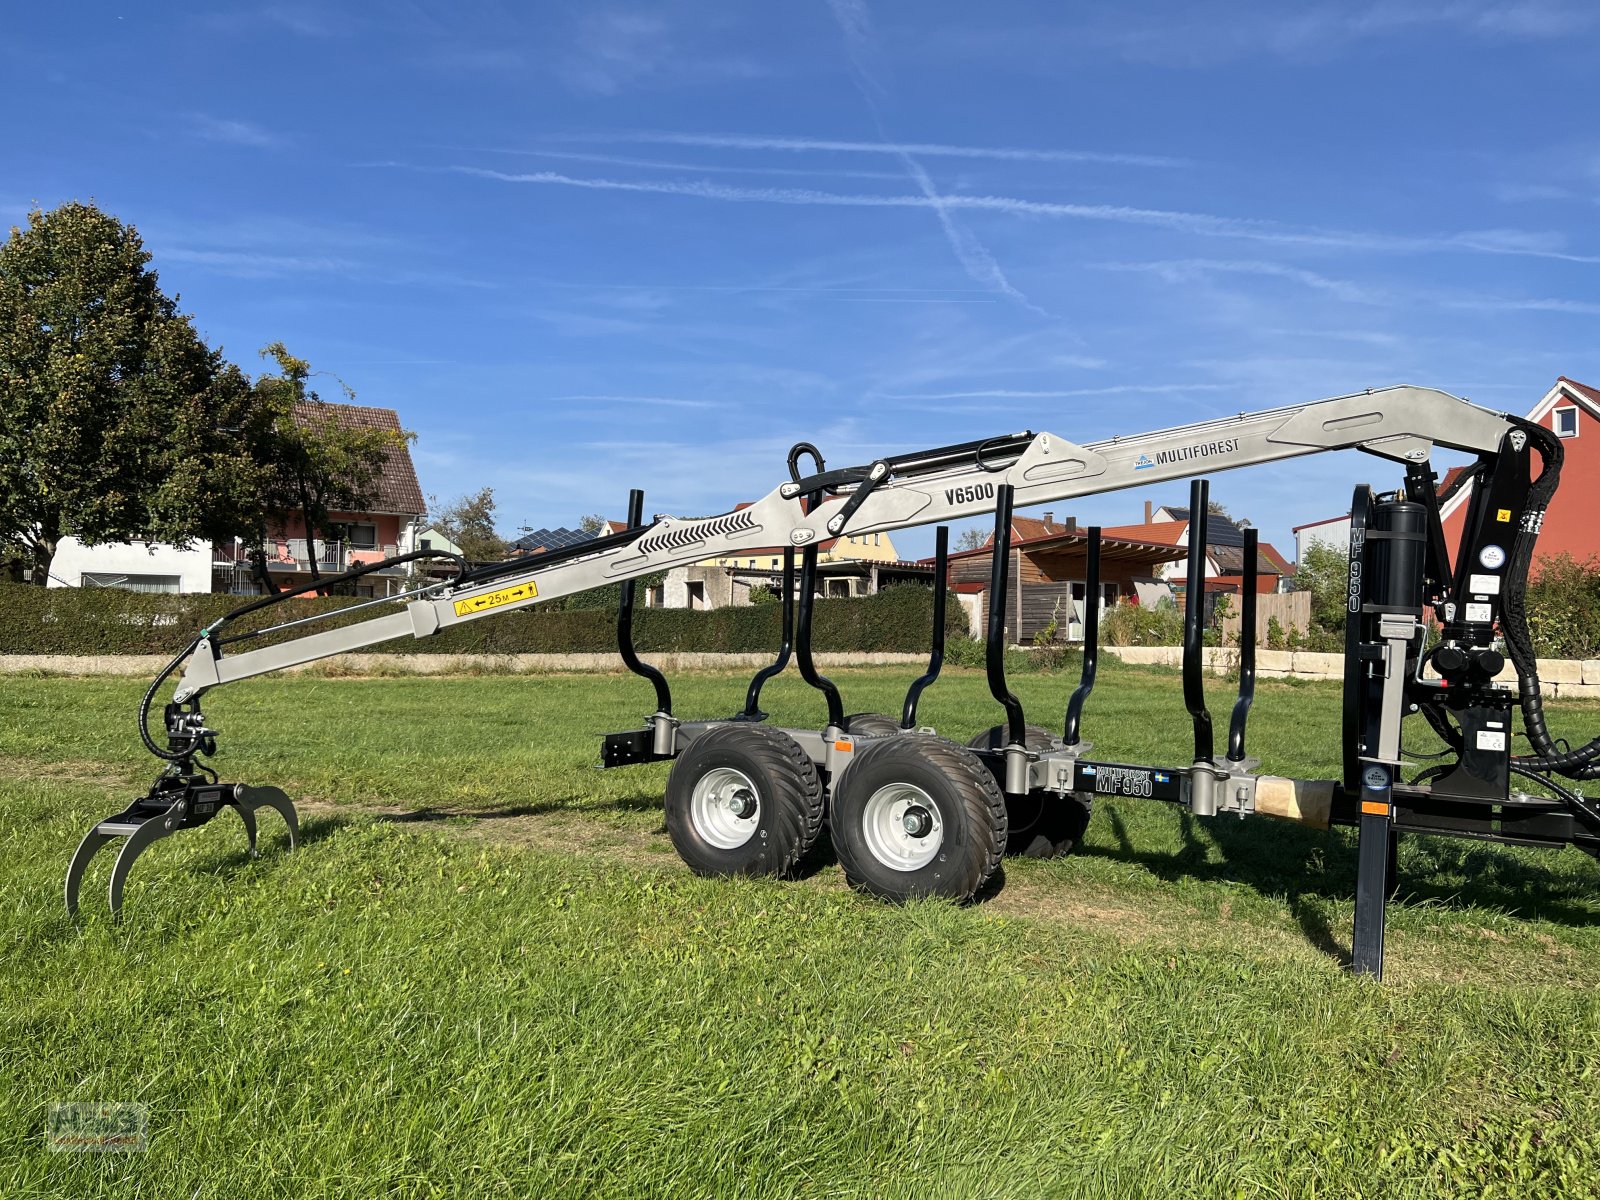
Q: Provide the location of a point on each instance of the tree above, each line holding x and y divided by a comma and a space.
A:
1324, 571
116, 421
468, 521
974, 538
320, 464
592, 524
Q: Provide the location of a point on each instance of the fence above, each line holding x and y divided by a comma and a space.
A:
1292, 610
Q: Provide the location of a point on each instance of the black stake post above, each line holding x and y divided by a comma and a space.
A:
1194, 614
802, 639
752, 699
1091, 639
995, 646
1371, 782
630, 657
941, 567
1247, 647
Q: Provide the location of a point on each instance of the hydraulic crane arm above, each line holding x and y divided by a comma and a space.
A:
950, 483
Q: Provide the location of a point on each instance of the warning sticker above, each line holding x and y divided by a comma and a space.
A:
1503, 516
488, 600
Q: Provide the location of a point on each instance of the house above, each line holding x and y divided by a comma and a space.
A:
852, 565
1224, 571
1572, 411
1333, 532
1049, 563
386, 527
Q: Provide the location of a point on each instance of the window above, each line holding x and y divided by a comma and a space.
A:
697, 594
134, 583
363, 535
1565, 422
774, 564
427, 543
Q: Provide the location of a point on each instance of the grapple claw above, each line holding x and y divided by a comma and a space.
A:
174, 802
249, 799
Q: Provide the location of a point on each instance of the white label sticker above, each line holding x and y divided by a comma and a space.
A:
1484, 585
1480, 613
1491, 741
1492, 557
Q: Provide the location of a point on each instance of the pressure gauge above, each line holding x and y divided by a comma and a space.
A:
1492, 557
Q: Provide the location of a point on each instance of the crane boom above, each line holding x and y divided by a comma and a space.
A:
1401, 423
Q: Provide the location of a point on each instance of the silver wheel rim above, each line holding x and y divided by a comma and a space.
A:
902, 827
725, 808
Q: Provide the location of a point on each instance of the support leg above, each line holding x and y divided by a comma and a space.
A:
1372, 871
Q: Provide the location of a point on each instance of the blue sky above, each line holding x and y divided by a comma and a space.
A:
583, 247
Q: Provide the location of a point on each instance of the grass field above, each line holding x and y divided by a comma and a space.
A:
486, 973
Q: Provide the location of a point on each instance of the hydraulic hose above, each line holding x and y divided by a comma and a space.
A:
150, 695
1576, 764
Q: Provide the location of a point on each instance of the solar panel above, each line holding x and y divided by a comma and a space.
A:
552, 539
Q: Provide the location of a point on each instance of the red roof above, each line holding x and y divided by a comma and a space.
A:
1273, 560
396, 489
1160, 533
1581, 389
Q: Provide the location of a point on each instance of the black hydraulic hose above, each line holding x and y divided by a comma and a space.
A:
1584, 762
150, 695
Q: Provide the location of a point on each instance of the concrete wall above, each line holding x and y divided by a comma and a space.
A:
73, 559
1559, 678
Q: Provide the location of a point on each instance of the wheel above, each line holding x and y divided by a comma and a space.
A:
743, 800
870, 725
1040, 824
916, 815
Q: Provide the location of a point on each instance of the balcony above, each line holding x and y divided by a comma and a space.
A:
294, 555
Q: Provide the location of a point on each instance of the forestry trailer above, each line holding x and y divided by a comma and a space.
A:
911, 814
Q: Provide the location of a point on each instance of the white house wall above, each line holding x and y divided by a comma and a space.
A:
74, 559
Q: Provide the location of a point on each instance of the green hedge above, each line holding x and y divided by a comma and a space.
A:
113, 621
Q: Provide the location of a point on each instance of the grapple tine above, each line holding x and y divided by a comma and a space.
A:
149, 831
249, 818
249, 799
92, 841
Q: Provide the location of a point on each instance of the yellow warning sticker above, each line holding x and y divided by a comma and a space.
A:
488, 600
1503, 516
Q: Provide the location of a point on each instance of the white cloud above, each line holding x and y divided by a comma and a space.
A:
1506, 242
731, 141
234, 133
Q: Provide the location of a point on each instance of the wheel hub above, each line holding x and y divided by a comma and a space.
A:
725, 807
902, 827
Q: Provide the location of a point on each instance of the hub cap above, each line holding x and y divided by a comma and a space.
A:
902, 827
725, 808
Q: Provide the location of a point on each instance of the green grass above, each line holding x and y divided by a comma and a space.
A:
485, 973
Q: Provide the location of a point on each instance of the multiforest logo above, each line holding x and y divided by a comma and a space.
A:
1198, 450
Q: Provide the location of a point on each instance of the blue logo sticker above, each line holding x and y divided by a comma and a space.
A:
1143, 461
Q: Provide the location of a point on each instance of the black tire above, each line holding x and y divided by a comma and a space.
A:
954, 791
787, 813
870, 725
1040, 824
